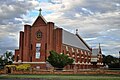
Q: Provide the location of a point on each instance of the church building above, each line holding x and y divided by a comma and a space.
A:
38, 39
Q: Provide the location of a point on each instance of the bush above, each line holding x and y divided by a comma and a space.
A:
10, 66
23, 67
59, 60
115, 66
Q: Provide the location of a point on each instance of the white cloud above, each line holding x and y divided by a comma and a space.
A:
11, 19
117, 4
87, 39
99, 26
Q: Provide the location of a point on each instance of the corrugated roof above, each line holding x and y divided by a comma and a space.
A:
72, 40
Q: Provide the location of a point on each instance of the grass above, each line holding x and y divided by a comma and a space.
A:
64, 77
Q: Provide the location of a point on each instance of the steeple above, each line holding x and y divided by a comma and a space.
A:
99, 48
99, 45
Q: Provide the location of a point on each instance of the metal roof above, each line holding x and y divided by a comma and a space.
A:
72, 40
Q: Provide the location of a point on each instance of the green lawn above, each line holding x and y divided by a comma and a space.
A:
62, 77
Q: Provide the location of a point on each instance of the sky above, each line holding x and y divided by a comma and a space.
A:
97, 21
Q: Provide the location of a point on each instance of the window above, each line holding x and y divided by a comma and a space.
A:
39, 34
38, 46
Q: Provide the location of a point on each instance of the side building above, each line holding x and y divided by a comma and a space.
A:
96, 58
37, 40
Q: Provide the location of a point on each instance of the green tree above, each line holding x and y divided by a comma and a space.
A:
6, 59
59, 60
111, 61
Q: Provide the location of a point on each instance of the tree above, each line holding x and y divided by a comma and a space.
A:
111, 61
59, 60
6, 59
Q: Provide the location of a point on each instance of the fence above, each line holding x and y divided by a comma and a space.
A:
67, 72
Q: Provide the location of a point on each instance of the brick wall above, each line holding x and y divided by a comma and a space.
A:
67, 72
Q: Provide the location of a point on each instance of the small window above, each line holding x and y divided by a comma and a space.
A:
39, 34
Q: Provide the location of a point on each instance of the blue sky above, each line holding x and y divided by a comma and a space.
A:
98, 21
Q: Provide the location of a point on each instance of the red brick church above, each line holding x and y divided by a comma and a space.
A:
38, 39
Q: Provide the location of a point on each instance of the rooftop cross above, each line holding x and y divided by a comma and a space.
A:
76, 31
40, 10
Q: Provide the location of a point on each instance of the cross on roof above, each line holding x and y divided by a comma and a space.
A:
40, 10
76, 31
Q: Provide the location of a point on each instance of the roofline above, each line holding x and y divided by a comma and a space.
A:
84, 42
43, 19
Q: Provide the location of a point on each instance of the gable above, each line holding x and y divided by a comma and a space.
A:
40, 21
72, 40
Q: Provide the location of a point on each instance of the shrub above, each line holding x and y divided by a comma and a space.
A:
23, 67
6, 59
